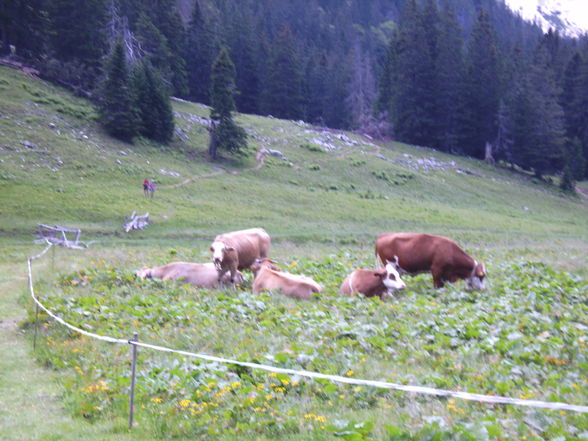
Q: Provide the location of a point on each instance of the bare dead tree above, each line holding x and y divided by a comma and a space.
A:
362, 88
118, 28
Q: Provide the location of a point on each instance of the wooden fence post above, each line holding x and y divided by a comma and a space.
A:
133, 371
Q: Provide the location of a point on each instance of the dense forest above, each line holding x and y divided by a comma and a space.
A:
463, 76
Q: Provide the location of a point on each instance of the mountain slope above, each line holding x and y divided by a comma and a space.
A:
569, 17
58, 167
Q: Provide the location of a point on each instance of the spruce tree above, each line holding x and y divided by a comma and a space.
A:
199, 56
23, 25
414, 106
283, 90
482, 91
538, 121
581, 105
76, 30
153, 105
225, 133
450, 71
117, 113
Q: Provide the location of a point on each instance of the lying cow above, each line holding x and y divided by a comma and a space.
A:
269, 278
238, 250
203, 275
415, 253
373, 283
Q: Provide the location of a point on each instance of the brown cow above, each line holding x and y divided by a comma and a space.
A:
269, 278
238, 250
373, 283
202, 275
415, 253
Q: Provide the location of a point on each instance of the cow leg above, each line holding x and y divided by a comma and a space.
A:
437, 278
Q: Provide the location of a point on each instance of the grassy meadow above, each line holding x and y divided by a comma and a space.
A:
323, 205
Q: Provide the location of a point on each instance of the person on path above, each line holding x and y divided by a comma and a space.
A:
146, 186
152, 188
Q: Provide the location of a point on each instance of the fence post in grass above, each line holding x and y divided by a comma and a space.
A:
36, 326
133, 371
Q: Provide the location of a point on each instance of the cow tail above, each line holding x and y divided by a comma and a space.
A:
378, 262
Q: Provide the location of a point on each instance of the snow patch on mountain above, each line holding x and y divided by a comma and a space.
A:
569, 17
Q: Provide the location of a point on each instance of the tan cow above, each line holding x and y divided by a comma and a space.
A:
203, 275
373, 283
415, 253
238, 250
269, 278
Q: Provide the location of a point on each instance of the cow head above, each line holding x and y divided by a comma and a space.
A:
238, 280
263, 263
391, 277
219, 251
476, 281
144, 273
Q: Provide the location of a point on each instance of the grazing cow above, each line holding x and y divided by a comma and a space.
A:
414, 253
238, 250
373, 283
269, 278
202, 275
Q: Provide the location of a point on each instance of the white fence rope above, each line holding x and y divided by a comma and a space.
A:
493, 399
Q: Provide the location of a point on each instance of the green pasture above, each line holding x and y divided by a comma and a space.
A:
323, 206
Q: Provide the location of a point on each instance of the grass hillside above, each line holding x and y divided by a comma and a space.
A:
59, 167
323, 196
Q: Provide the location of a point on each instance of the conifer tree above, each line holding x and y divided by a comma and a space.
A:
283, 90
225, 133
538, 127
450, 71
416, 78
153, 105
23, 25
76, 30
117, 113
581, 106
570, 90
199, 56
481, 88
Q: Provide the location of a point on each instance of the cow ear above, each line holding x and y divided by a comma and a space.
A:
380, 275
229, 249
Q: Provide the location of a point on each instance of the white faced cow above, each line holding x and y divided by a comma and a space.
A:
269, 278
373, 283
202, 275
416, 253
238, 250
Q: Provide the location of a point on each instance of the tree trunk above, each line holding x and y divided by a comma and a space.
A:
488, 157
212, 142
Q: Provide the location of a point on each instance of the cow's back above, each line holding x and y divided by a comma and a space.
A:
292, 285
363, 281
250, 244
416, 252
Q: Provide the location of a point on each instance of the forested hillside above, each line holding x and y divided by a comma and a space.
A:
462, 76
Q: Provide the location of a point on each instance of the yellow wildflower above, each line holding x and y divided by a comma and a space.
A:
185, 403
157, 400
349, 373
